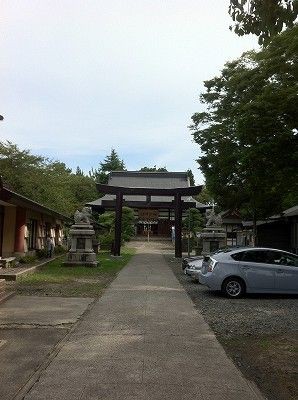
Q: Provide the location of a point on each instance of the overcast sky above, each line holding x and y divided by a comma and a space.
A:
80, 77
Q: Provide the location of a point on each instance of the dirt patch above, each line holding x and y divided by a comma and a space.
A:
270, 361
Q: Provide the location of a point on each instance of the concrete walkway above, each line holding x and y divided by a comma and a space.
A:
142, 340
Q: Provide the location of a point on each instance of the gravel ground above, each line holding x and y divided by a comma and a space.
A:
252, 315
259, 333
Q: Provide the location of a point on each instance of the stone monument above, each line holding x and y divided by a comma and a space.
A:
213, 237
81, 235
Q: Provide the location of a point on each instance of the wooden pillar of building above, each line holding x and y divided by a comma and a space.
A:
178, 226
118, 219
20, 230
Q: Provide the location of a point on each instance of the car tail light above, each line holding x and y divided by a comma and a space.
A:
211, 265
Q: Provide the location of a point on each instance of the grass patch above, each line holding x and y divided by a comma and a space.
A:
56, 280
265, 344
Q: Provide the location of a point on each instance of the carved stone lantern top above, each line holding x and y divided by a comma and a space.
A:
83, 217
213, 219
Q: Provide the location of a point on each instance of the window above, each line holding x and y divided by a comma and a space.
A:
238, 256
273, 257
286, 259
256, 256
267, 257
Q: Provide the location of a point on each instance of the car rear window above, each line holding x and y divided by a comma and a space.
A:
257, 256
238, 256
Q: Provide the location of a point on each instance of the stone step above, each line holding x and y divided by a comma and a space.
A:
4, 294
2, 287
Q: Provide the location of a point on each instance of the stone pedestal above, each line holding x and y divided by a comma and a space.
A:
213, 238
81, 250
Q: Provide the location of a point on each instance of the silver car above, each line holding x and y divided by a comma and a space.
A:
251, 270
193, 268
188, 260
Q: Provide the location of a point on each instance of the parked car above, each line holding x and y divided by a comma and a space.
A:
206, 258
251, 270
188, 260
193, 267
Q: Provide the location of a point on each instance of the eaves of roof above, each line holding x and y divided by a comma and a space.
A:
18, 199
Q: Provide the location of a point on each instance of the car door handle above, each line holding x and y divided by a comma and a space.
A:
280, 271
245, 268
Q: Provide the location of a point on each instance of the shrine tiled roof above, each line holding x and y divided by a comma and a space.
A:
159, 180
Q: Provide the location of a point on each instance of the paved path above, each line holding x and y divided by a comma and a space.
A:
142, 340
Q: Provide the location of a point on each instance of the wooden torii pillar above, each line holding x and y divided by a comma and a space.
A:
178, 226
177, 193
118, 220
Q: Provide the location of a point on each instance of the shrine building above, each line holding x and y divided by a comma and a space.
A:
153, 212
25, 224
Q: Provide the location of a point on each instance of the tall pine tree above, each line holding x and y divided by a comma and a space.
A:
112, 162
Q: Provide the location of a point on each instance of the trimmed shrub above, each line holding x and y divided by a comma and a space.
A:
41, 253
27, 259
106, 241
59, 249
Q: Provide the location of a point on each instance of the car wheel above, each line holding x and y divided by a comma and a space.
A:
233, 288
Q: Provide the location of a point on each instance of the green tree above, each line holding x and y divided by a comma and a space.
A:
264, 18
248, 133
194, 221
128, 221
48, 182
19, 166
191, 177
112, 162
205, 196
79, 171
107, 224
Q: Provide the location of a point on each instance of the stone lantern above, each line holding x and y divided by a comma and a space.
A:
81, 235
213, 237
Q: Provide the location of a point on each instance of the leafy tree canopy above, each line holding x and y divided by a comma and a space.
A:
264, 18
205, 197
49, 182
112, 162
194, 220
107, 223
191, 177
248, 133
79, 171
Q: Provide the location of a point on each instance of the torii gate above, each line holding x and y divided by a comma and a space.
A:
177, 193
